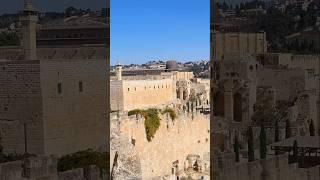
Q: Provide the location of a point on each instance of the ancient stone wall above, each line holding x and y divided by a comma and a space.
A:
21, 106
74, 105
173, 141
128, 95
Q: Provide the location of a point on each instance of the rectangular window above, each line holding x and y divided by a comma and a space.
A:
80, 86
59, 88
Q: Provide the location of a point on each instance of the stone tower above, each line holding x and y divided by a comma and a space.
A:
29, 20
119, 72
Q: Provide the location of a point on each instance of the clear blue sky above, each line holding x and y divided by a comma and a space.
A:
143, 30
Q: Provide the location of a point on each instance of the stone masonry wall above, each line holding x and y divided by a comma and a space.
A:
75, 118
173, 141
20, 103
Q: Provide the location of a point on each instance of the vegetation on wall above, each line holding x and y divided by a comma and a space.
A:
152, 119
135, 112
84, 159
171, 112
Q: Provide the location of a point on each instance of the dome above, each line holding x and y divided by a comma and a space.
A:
171, 65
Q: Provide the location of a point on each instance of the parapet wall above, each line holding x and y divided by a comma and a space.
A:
45, 168
173, 141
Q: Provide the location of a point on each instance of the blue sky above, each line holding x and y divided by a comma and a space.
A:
143, 30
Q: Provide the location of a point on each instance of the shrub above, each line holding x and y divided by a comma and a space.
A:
84, 159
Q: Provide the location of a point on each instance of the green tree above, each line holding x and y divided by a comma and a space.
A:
9, 39
263, 143
236, 149
250, 145
295, 151
288, 129
276, 135
312, 129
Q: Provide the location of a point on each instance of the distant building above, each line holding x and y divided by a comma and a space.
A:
73, 31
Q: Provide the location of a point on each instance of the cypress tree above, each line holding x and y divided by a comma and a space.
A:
312, 129
236, 149
295, 151
276, 132
276, 136
288, 130
250, 145
263, 143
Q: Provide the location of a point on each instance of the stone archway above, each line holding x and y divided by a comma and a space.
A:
218, 104
237, 107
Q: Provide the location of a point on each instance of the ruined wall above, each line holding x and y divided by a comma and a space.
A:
20, 103
74, 118
173, 141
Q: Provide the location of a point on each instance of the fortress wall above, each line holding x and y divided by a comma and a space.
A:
146, 93
73, 119
172, 142
20, 102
